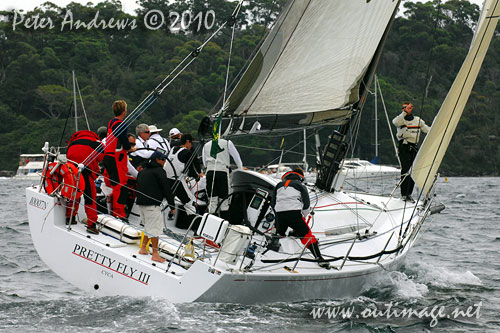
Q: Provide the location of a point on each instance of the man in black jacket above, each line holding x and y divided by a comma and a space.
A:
152, 188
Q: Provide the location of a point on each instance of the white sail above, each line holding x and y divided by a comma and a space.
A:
314, 59
436, 143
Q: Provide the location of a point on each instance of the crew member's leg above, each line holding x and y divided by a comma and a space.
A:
213, 201
153, 227
90, 197
300, 227
406, 161
218, 189
412, 152
70, 208
120, 192
186, 197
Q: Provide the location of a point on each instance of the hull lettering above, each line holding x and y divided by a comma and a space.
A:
111, 264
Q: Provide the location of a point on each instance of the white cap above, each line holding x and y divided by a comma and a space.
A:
174, 131
154, 129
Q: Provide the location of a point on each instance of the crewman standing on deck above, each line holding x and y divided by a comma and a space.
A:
218, 172
85, 147
409, 128
115, 158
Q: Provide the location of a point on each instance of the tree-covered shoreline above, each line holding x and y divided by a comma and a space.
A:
420, 60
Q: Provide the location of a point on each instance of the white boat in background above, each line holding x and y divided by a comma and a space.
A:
30, 167
309, 71
355, 168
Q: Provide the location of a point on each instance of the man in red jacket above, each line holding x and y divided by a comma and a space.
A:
85, 148
115, 158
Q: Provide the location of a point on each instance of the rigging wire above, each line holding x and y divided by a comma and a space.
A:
155, 94
81, 100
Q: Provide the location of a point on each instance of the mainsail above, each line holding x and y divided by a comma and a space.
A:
431, 153
313, 62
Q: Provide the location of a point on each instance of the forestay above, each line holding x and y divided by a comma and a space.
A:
436, 143
312, 63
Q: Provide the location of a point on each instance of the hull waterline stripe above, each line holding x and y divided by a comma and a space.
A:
307, 280
95, 262
341, 203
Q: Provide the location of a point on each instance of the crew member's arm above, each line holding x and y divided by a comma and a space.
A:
142, 149
203, 157
234, 153
424, 127
399, 120
122, 137
185, 156
275, 192
306, 202
131, 170
165, 188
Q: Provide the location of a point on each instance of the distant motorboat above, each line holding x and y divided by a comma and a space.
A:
355, 168
30, 166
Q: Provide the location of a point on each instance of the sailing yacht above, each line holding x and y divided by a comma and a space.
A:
312, 70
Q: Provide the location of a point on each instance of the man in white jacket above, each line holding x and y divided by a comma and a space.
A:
218, 172
409, 128
156, 140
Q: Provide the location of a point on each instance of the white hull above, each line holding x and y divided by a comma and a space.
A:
102, 265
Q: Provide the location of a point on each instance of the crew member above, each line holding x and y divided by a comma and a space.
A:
156, 140
175, 137
218, 172
408, 135
152, 188
291, 203
132, 178
101, 133
143, 152
181, 161
85, 147
115, 158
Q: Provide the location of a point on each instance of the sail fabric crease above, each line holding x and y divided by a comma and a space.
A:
431, 153
313, 60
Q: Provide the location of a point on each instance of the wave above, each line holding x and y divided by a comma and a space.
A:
442, 277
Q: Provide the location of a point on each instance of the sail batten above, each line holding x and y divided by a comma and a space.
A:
313, 61
434, 147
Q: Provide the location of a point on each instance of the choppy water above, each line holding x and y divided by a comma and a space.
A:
455, 264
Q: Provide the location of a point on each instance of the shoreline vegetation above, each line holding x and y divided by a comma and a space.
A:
420, 59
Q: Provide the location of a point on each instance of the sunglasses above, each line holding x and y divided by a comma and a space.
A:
132, 144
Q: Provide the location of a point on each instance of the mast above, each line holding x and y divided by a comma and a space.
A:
74, 101
305, 150
376, 120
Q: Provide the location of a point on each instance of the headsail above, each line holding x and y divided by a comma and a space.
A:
312, 63
431, 153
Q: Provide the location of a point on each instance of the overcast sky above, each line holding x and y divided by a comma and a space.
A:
128, 5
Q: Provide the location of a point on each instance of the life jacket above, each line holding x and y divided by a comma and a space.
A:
160, 142
63, 178
290, 193
223, 160
173, 166
113, 144
85, 146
